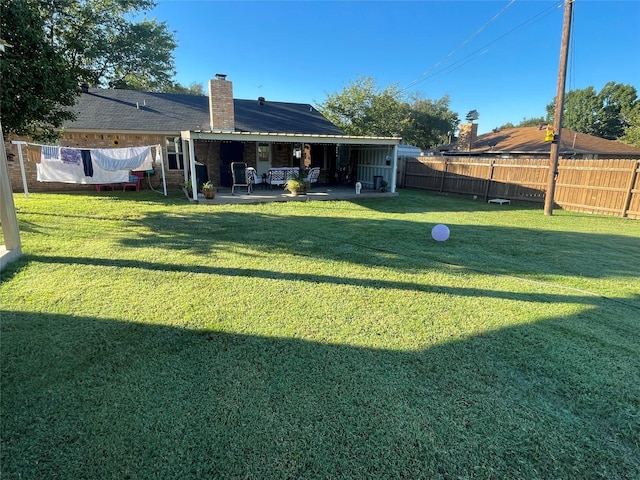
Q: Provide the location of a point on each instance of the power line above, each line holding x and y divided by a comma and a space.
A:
462, 44
481, 50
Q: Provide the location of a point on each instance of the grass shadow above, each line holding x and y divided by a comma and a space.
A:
492, 249
100, 398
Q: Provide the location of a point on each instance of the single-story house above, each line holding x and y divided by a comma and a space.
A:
530, 142
203, 135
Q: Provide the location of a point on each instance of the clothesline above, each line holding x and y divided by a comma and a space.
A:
88, 166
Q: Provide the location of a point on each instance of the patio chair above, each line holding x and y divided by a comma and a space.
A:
312, 176
276, 176
240, 177
254, 177
135, 178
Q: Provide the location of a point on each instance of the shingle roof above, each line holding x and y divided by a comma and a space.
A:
125, 110
531, 140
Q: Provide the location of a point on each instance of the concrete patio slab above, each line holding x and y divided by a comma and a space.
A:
259, 195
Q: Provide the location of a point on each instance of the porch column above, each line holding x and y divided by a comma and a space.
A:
184, 149
192, 168
394, 172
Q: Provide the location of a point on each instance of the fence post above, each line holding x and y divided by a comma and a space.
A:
632, 182
486, 190
444, 174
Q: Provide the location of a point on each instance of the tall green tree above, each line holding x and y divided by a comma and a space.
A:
364, 108
101, 43
632, 130
431, 123
57, 44
194, 88
605, 114
525, 122
36, 85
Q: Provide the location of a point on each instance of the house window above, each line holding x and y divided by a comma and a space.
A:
175, 157
264, 152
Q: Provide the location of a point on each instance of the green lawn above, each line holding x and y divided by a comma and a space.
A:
144, 337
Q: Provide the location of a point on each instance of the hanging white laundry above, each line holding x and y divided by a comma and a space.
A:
106, 176
132, 158
53, 169
109, 165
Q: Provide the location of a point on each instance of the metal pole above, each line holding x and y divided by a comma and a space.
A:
557, 120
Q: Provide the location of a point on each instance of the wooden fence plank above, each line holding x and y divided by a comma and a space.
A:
610, 186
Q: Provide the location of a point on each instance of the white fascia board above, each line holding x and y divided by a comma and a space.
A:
289, 137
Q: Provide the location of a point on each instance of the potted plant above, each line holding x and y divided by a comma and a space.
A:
383, 186
209, 190
296, 186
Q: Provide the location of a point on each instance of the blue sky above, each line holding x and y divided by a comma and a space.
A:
497, 57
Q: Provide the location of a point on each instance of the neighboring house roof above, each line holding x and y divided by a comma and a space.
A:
530, 140
129, 110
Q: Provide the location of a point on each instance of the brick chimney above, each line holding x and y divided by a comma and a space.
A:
221, 113
467, 136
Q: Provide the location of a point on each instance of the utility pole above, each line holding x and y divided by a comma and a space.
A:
557, 119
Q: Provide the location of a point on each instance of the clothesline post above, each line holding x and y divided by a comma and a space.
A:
19, 143
160, 158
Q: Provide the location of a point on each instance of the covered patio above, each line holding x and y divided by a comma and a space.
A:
368, 159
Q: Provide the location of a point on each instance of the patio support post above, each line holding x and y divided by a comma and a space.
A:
184, 149
192, 167
394, 172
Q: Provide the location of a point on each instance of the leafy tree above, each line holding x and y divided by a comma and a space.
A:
431, 122
525, 122
618, 102
194, 88
580, 111
632, 130
57, 44
363, 108
104, 47
606, 114
37, 85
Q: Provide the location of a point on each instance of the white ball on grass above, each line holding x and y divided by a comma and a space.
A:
440, 232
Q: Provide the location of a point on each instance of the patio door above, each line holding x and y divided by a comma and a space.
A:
229, 152
264, 161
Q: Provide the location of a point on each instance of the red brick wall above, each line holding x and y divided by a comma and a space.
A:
221, 105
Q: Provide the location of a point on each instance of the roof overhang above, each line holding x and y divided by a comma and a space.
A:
288, 138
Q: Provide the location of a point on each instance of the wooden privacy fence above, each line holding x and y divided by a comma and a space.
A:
607, 186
